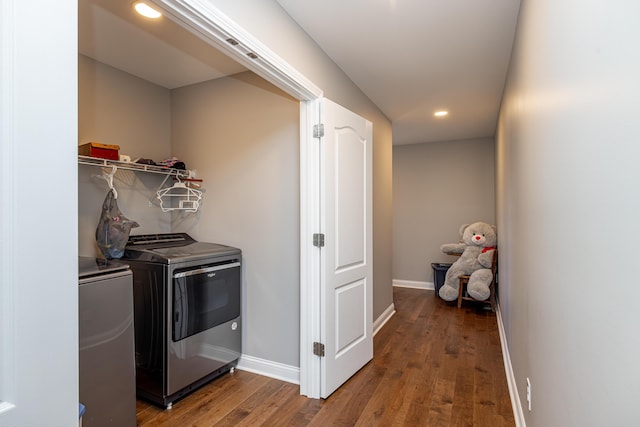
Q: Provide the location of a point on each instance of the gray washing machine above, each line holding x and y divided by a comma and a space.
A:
187, 299
106, 359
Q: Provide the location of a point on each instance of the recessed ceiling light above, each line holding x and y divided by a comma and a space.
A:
145, 10
441, 113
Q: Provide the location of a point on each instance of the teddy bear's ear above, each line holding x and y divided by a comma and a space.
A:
495, 229
462, 228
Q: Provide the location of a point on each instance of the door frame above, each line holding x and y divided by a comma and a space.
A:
310, 266
209, 23
35, 352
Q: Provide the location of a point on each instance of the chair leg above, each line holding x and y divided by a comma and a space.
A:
460, 292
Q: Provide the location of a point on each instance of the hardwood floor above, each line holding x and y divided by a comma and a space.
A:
434, 365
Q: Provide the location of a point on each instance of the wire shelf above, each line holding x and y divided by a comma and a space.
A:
138, 167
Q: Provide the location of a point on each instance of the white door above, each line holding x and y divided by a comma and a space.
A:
345, 260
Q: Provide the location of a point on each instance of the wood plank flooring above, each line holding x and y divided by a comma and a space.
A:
434, 365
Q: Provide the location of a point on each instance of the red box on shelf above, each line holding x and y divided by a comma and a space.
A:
102, 151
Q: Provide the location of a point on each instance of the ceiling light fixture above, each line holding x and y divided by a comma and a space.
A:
145, 10
441, 113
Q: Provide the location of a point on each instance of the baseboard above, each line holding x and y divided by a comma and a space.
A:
288, 373
267, 368
413, 284
383, 318
511, 379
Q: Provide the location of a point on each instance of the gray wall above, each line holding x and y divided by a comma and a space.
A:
568, 209
268, 22
436, 188
242, 135
117, 108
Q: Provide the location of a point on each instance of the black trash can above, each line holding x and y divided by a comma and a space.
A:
439, 272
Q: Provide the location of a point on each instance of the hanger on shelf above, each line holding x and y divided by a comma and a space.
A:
109, 178
189, 182
187, 198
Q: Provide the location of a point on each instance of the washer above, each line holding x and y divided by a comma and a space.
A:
187, 313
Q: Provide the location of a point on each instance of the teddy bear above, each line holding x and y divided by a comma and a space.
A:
478, 243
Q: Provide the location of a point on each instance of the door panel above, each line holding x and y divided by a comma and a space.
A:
351, 315
346, 268
350, 189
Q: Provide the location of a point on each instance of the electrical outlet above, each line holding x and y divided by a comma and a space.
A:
529, 393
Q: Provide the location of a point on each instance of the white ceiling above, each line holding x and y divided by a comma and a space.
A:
410, 57
413, 57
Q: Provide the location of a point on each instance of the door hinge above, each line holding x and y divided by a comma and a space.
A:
318, 240
318, 349
318, 131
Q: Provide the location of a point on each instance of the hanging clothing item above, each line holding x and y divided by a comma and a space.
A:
113, 229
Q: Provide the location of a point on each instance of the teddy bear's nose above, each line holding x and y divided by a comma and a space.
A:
477, 237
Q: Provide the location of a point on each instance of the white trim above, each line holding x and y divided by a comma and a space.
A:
383, 318
209, 23
508, 369
413, 284
309, 255
267, 368
8, 175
